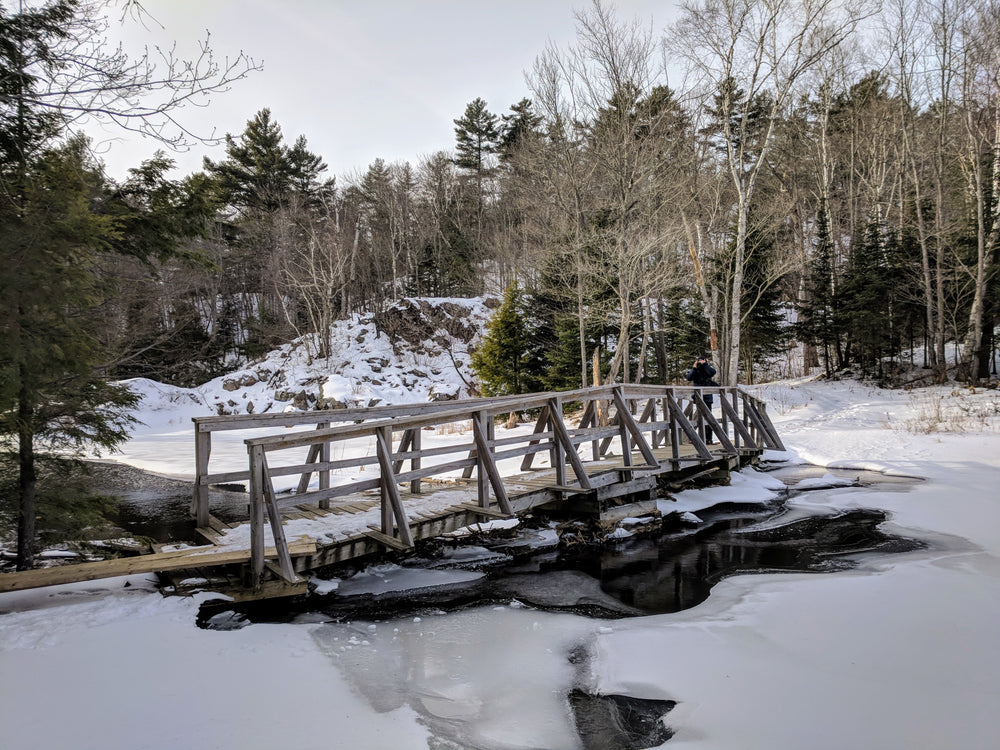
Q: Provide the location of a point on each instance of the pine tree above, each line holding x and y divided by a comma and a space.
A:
500, 361
517, 128
818, 317
56, 67
260, 172
870, 300
261, 176
51, 392
476, 136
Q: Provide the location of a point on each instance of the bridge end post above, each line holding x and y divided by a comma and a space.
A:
202, 452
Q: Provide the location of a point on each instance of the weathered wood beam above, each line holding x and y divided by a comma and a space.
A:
487, 462
192, 557
274, 516
713, 423
540, 425
689, 429
633, 429
199, 501
763, 424
256, 513
738, 426
390, 490
566, 449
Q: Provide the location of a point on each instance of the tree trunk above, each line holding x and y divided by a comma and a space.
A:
987, 235
27, 477
735, 302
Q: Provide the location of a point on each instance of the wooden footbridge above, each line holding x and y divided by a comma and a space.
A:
387, 477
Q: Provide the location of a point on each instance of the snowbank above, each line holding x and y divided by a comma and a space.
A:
899, 653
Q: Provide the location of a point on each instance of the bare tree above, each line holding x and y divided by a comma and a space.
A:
94, 78
761, 48
314, 252
980, 112
614, 134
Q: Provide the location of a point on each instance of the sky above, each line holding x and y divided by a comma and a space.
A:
360, 80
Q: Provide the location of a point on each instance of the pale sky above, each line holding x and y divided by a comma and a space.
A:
363, 79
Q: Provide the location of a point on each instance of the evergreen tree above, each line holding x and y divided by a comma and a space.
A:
56, 66
51, 392
818, 317
870, 299
476, 136
260, 172
260, 177
500, 362
764, 331
517, 128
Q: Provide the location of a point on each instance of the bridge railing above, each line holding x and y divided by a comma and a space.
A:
637, 419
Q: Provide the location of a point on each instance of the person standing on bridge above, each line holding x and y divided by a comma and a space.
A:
701, 375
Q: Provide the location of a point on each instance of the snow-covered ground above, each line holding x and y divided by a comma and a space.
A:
901, 652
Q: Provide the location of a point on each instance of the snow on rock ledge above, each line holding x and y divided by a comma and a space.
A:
415, 350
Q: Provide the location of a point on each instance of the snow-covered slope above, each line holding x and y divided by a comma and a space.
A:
416, 350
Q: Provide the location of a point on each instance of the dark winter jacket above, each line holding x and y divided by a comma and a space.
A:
701, 375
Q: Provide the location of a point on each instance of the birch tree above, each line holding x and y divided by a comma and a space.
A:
980, 112
763, 48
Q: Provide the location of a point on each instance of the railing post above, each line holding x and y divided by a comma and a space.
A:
481, 437
415, 461
256, 513
488, 471
384, 438
558, 452
674, 427
202, 452
392, 503
324, 457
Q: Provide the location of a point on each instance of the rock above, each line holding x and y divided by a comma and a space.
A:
330, 403
242, 381
438, 393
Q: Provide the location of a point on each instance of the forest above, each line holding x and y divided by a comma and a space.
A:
760, 175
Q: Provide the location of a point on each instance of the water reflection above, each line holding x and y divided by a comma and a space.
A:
676, 572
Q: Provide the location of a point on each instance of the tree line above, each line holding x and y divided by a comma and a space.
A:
825, 161
656, 195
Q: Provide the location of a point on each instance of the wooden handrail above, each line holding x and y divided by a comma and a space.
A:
666, 413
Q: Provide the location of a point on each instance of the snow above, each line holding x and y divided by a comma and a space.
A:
900, 652
367, 369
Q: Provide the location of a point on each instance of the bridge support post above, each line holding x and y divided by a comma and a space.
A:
202, 452
256, 514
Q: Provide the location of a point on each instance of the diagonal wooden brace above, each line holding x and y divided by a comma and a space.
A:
487, 462
626, 419
392, 503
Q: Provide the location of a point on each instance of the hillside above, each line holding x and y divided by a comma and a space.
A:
415, 350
